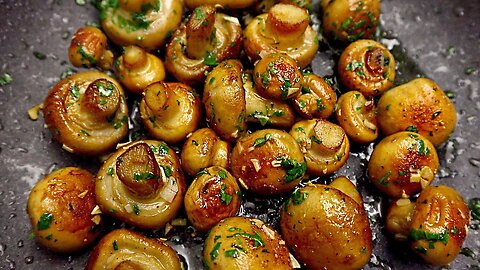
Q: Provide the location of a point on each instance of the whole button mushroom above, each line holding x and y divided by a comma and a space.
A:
435, 226
123, 249
317, 98
347, 21
212, 196
356, 115
325, 145
145, 23
142, 183
136, 69
88, 48
403, 164
284, 29
170, 111
419, 106
326, 226
204, 149
87, 113
63, 212
368, 67
224, 100
208, 38
268, 162
245, 243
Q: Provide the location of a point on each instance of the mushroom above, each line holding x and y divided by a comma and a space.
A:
325, 145
136, 69
327, 227
145, 23
317, 98
347, 21
208, 38
265, 111
204, 149
278, 77
212, 196
224, 100
237, 243
403, 164
268, 162
63, 212
88, 48
368, 67
87, 113
435, 225
356, 115
170, 111
123, 249
284, 29
142, 183
420, 106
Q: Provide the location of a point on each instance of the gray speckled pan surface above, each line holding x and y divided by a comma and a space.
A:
421, 32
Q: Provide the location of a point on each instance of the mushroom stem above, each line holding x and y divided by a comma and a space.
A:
157, 97
201, 32
287, 23
134, 57
139, 171
332, 137
100, 100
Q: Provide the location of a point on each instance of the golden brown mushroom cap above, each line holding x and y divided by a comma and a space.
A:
212, 196
140, 205
208, 38
368, 67
89, 48
419, 105
87, 113
136, 69
402, 164
62, 210
347, 21
147, 24
284, 29
326, 228
317, 98
123, 249
170, 111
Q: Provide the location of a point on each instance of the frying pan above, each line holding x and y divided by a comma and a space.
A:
438, 39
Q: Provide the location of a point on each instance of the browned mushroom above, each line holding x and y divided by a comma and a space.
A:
89, 48
208, 38
145, 23
87, 113
284, 29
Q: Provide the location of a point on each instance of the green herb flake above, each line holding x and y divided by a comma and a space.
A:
315, 139
262, 140
431, 237
140, 176
211, 81
293, 168
421, 250
210, 59
474, 205
75, 91
115, 245
383, 179
222, 174
202, 172
45, 221
83, 132
5, 79
136, 210
450, 94
39, 55
224, 196
214, 253
436, 114
412, 129
231, 253
298, 197
255, 237
86, 56
363, 250
167, 170
470, 70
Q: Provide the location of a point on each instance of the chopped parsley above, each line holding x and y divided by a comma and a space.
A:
298, 197
262, 140
45, 221
115, 245
214, 252
5, 79
293, 168
383, 180
224, 196
210, 59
